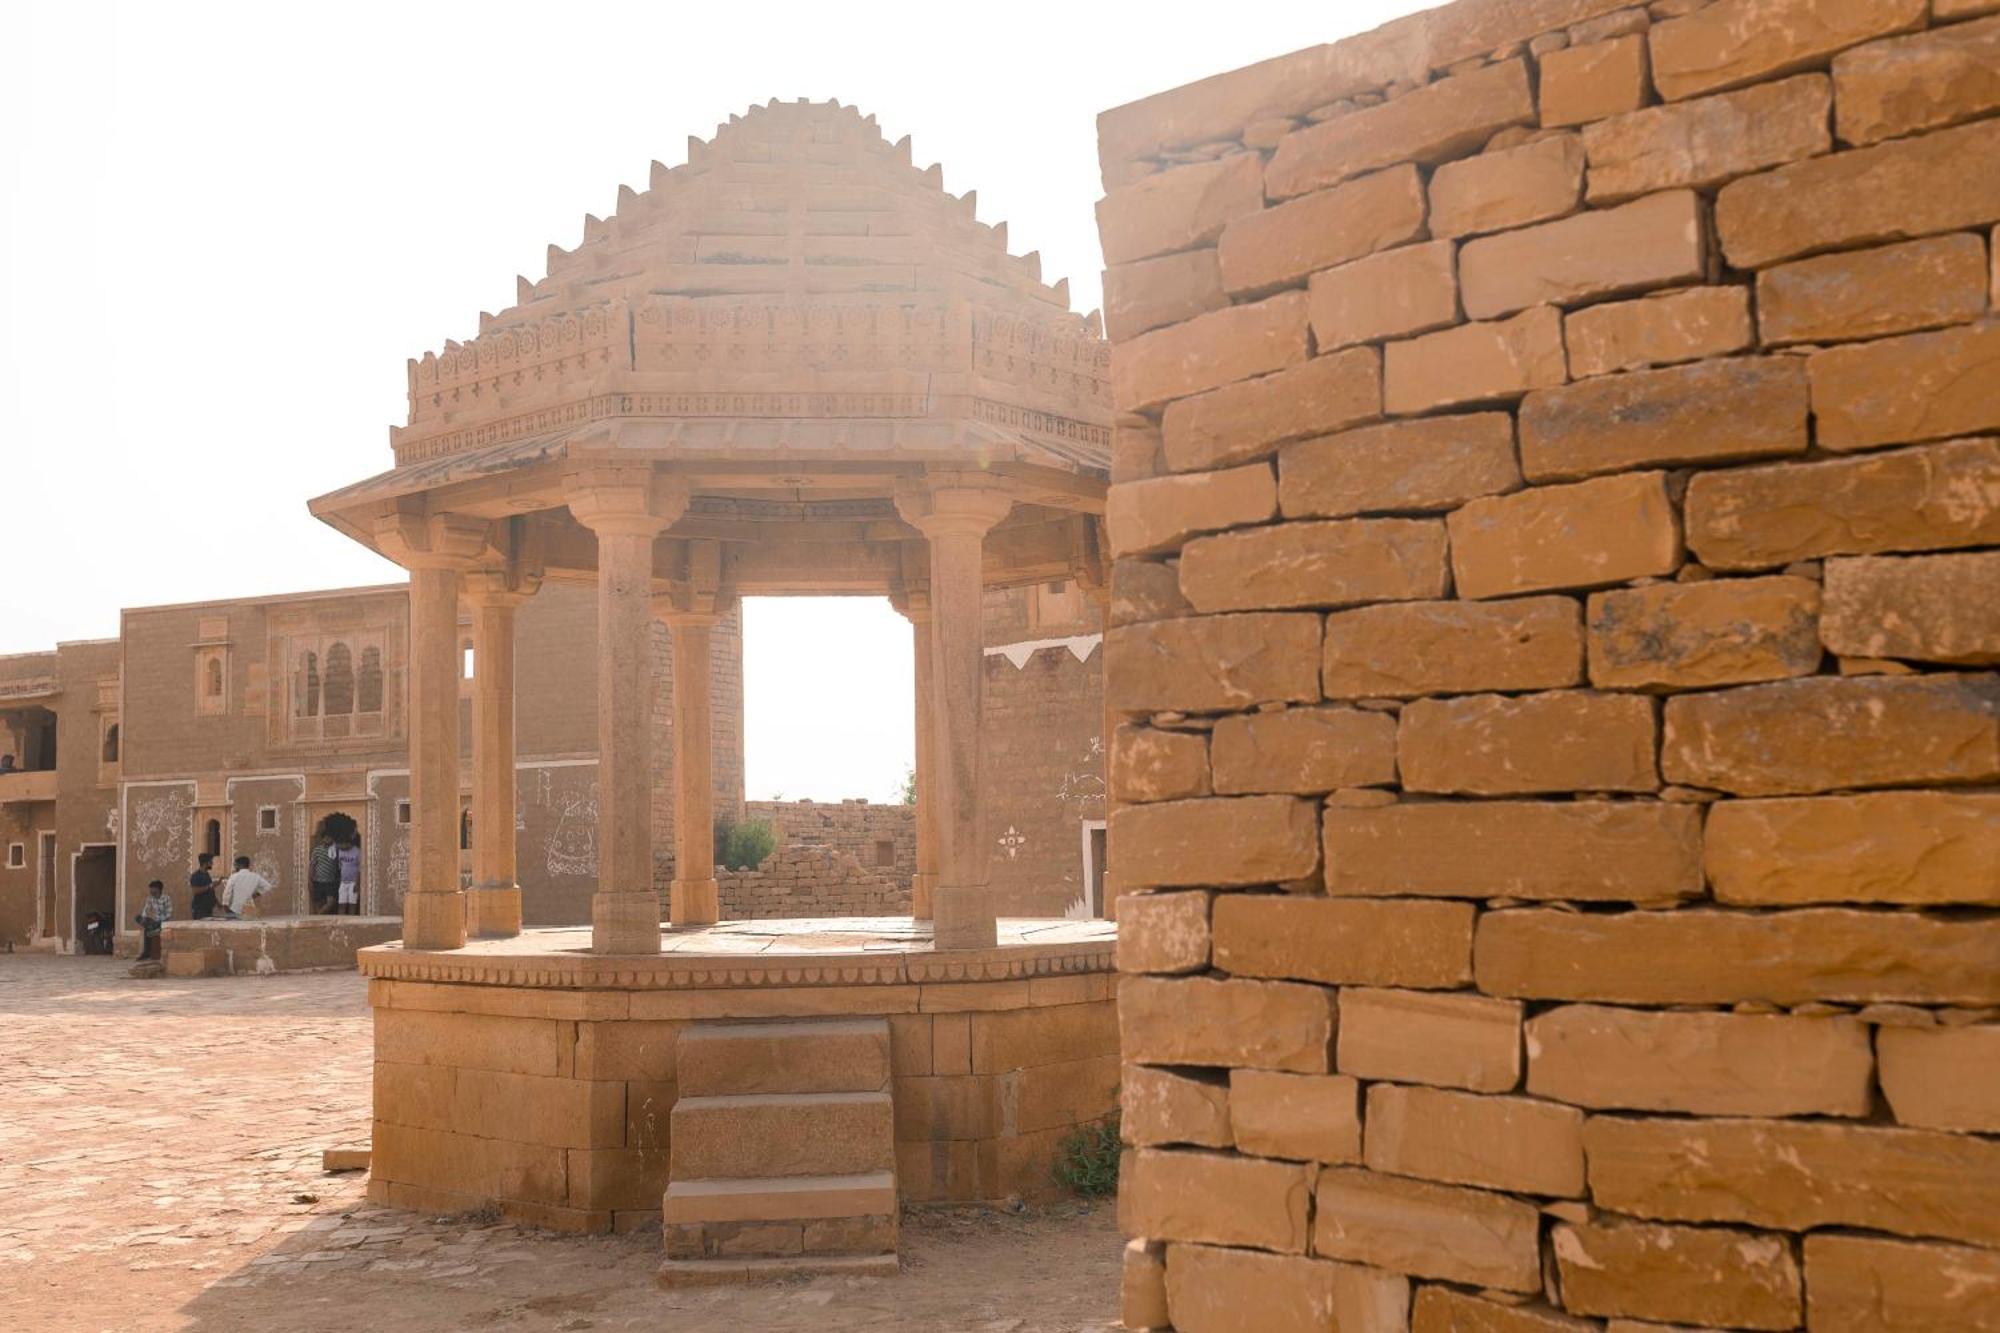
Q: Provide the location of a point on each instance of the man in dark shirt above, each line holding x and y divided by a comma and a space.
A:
203, 884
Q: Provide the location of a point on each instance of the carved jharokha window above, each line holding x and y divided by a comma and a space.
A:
336, 686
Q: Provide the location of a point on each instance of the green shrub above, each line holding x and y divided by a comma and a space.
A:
909, 788
1086, 1160
744, 846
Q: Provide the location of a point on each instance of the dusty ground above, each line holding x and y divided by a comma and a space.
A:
159, 1169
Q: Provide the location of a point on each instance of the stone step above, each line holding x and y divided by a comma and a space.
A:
808, 1055
765, 1199
760, 1135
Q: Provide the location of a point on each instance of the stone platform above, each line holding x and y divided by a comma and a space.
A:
217, 947
531, 1075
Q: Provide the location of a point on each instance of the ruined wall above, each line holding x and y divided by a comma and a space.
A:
1557, 512
843, 858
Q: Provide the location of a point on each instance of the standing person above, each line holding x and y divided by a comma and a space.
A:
157, 909
325, 874
349, 859
242, 888
202, 881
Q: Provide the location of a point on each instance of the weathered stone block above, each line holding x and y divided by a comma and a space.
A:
1212, 663
1245, 840
1740, 41
1870, 293
1860, 1284
1415, 648
1588, 534
1388, 295
1135, 450
1148, 764
1237, 1024
1711, 957
1302, 1117
1585, 83
1700, 1064
1142, 1286
1444, 1310
1187, 1194
1337, 563
1153, 293
1507, 187
1149, 517
1918, 847
1926, 499
1304, 751
1426, 1230
1921, 386
1712, 411
1737, 1278
1178, 209
1143, 590
1214, 1290
1163, 932
1502, 1143
1249, 420
1652, 242
1433, 463
1697, 635
1800, 736
1602, 851
1906, 84
1209, 351
1345, 942
1453, 1041
1933, 608
1657, 330
1280, 245
1942, 1078
1703, 143
1501, 745
1474, 363
1161, 1106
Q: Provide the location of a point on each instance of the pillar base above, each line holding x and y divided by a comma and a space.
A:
625, 922
493, 911
963, 917
923, 893
434, 920
694, 902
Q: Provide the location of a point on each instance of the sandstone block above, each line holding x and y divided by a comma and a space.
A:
1907, 84
1793, 1175
1143, 590
1740, 41
1439, 121
1398, 292
1508, 187
1135, 450
1212, 663
1213, 1290
1160, 1106
1237, 1024
1924, 848
1474, 363
1431, 463
1453, 1041
1152, 765
1868, 293
1280, 245
1586, 83
1163, 932
1738, 1278
1153, 293
1593, 851
1818, 734
1414, 648
1345, 942
1931, 608
1910, 187
1444, 1310
1657, 330
1209, 351
1711, 411
1588, 534
1500, 745
1502, 1143
1703, 143
1921, 386
1304, 1117
1149, 517
1178, 209
1249, 420
1245, 840
1304, 751
1652, 242
1860, 1284
1187, 1194
1142, 1286
1709, 957
1697, 635
1942, 1078
1927, 499
1700, 1063
1426, 1230
1337, 563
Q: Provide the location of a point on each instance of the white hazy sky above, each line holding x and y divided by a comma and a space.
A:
224, 227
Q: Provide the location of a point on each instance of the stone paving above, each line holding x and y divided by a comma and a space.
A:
160, 1169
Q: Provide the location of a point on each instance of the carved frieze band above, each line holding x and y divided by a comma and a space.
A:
394, 963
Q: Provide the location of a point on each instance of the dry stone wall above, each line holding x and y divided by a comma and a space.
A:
844, 858
1557, 526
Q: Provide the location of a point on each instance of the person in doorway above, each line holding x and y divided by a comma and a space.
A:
241, 889
325, 875
348, 858
7, 763
202, 905
153, 913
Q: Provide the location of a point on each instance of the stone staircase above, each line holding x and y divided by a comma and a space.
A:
783, 1152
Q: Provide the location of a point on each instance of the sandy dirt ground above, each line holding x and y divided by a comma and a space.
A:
160, 1170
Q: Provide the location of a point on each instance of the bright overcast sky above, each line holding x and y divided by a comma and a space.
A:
224, 228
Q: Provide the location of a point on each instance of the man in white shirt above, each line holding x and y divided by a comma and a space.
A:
242, 888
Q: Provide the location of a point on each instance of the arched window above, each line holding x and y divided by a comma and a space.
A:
212, 681
306, 688
368, 682
211, 838
339, 680
111, 744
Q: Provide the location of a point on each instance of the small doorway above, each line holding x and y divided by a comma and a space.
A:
45, 884
1093, 865
94, 873
346, 834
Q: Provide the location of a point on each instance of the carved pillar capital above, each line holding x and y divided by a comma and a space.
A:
490, 585
953, 505
624, 499
432, 541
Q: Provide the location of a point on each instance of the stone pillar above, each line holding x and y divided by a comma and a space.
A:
693, 899
625, 508
493, 904
435, 549
923, 885
956, 519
